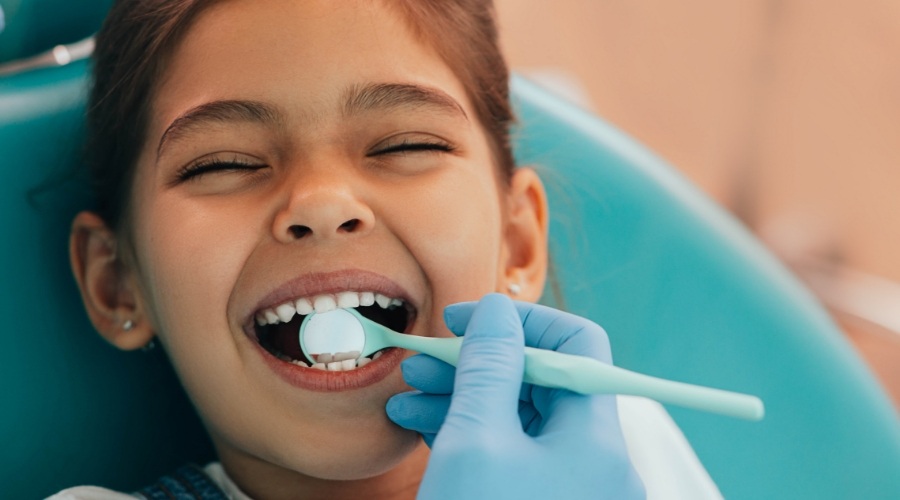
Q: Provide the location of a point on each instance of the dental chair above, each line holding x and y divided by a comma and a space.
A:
683, 290
34, 27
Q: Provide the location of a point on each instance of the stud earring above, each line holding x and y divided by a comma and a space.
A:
128, 325
514, 288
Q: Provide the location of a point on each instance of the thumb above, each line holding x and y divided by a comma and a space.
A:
489, 372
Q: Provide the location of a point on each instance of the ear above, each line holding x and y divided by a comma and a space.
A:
524, 254
107, 286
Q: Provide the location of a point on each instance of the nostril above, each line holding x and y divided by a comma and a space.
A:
298, 231
349, 226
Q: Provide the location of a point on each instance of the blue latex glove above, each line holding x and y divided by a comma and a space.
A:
493, 437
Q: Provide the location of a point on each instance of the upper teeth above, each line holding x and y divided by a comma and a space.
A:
283, 313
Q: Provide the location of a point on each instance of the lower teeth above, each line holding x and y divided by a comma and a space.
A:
338, 362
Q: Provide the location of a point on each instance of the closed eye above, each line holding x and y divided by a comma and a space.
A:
410, 146
194, 171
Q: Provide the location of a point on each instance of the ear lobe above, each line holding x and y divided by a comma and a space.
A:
107, 289
525, 237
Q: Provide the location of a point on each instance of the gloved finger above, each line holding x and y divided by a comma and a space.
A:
572, 419
423, 413
564, 414
544, 328
569, 411
433, 376
426, 412
567, 414
489, 373
530, 418
428, 374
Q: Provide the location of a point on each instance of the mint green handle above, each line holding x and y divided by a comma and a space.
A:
588, 376
445, 349
575, 373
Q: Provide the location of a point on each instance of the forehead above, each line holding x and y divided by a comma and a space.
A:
303, 56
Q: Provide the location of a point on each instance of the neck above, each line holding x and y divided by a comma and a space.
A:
262, 480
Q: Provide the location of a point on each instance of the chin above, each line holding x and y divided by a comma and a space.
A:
343, 450
373, 459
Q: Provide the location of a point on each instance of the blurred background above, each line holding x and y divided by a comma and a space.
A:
785, 112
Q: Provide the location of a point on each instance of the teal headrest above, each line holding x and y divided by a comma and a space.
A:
35, 26
75, 410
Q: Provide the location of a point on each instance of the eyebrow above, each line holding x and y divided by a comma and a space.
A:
384, 96
357, 99
225, 111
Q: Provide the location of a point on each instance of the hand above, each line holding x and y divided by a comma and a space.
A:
493, 437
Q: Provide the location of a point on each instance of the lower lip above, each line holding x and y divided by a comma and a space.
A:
313, 379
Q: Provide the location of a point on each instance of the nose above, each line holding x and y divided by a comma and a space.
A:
322, 205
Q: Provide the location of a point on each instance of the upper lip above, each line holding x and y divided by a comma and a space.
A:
312, 284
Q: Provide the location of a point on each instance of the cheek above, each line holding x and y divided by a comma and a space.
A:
453, 227
190, 256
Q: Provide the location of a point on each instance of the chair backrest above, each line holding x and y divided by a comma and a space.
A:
35, 26
684, 292
74, 409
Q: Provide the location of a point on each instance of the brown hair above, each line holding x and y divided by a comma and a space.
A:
139, 35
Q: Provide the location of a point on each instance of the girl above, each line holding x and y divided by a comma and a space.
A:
259, 159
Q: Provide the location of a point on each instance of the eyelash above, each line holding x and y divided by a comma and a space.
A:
407, 146
195, 170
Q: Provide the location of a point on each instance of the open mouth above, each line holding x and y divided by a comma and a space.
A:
277, 328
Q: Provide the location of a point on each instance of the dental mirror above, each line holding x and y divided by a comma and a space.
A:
333, 332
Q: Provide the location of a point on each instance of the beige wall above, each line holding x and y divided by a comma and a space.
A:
787, 112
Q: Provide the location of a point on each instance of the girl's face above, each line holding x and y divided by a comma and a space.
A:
300, 150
